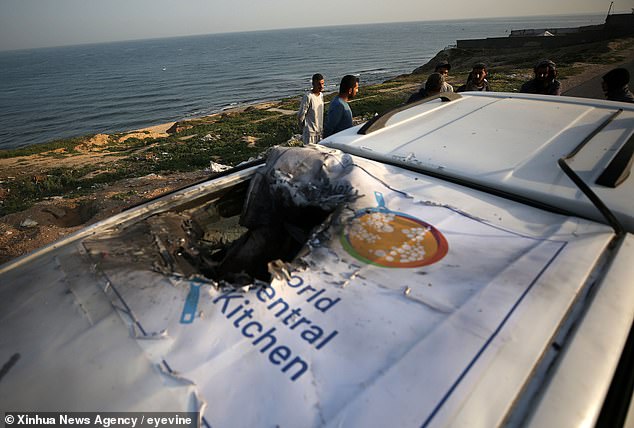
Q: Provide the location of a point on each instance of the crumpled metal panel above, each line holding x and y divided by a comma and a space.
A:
71, 349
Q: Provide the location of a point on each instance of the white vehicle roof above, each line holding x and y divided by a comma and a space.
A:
511, 143
422, 300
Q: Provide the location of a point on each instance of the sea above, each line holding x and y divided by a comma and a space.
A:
53, 93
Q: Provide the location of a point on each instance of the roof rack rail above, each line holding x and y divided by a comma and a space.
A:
619, 168
379, 122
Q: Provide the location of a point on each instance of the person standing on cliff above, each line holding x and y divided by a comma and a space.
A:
545, 81
311, 112
615, 85
443, 68
339, 112
477, 79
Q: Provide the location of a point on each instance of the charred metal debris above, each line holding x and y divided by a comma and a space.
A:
248, 231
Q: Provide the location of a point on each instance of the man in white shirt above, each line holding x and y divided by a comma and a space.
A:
311, 112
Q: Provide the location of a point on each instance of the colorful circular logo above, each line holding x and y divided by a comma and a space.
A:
391, 239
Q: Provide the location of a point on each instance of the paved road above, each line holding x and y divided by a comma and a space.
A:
592, 87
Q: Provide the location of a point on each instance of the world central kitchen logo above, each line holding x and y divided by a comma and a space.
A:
392, 239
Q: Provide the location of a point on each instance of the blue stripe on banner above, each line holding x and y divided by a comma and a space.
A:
191, 304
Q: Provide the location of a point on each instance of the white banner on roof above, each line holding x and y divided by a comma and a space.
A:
395, 282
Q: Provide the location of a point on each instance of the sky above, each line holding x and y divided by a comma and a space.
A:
41, 23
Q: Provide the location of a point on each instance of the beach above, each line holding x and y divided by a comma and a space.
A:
51, 216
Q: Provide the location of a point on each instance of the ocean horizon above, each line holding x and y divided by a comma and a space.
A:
69, 91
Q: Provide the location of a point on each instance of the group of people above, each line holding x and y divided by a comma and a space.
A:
311, 109
437, 83
615, 83
310, 116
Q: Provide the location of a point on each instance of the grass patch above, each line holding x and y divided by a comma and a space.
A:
371, 105
123, 196
68, 144
67, 182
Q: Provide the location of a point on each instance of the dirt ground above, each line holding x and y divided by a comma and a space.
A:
54, 218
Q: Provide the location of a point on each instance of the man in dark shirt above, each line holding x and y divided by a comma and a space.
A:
432, 86
615, 85
545, 81
477, 79
339, 112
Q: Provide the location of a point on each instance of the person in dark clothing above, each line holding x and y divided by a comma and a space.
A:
545, 81
615, 85
477, 79
432, 86
339, 112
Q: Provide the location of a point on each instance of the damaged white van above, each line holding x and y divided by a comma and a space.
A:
464, 261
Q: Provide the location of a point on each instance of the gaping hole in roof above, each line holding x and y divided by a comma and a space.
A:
231, 234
